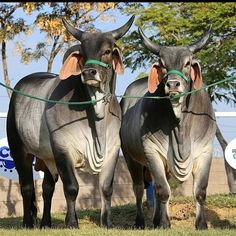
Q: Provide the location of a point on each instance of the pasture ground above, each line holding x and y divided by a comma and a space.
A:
220, 215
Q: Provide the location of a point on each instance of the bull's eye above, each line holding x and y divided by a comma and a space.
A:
107, 52
187, 64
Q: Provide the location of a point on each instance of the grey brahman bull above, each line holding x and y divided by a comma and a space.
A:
172, 136
69, 137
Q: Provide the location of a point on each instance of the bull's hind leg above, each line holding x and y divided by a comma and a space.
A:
200, 181
136, 172
48, 189
23, 164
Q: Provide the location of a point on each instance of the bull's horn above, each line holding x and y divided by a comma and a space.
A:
148, 43
72, 30
118, 33
201, 42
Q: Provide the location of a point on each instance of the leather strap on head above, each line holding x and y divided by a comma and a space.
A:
96, 62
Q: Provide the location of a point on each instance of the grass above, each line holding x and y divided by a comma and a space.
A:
220, 214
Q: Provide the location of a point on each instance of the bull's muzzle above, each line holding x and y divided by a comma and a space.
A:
173, 86
90, 76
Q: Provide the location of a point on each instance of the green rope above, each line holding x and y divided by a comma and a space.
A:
50, 101
182, 94
126, 97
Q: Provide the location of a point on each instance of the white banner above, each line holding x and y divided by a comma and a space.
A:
7, 164
230, 153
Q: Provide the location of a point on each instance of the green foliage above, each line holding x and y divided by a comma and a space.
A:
141, 75
183, 23
9, 26
81, 15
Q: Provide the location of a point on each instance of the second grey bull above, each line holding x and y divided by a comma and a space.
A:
69, 137
171, 137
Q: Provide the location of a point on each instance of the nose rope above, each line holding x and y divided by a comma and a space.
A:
96, 62
177, 72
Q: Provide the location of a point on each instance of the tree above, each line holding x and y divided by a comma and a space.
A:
81, 15
10, 27
181, 23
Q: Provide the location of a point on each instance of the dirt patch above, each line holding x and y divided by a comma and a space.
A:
182, 216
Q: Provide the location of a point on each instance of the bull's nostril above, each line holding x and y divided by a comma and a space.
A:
93, 72
173, 84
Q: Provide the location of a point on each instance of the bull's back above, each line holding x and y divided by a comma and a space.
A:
25, 121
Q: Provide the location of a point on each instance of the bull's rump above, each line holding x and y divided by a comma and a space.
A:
26, 115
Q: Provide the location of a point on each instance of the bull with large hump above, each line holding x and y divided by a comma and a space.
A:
69, 137
173, 135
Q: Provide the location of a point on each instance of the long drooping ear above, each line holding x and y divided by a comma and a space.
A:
155, 77
117, 63
196, 74
71, 66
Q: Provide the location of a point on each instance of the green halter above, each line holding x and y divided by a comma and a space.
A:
177, 72
96, 62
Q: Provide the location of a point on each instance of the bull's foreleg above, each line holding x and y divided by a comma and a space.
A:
70, 186
136, 172
106, 177
200, 180
162, 193
48, 189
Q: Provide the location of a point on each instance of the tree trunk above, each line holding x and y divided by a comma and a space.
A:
230, 172
55, 50
5, 69
50, 61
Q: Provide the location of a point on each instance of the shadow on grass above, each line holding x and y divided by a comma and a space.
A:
16, 223
218, 223
123, 217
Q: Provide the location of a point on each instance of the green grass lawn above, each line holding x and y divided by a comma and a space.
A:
220, 214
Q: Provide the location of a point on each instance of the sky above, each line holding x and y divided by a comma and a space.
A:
18, 70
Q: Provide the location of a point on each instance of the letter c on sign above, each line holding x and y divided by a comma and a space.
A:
230, 153
4, 152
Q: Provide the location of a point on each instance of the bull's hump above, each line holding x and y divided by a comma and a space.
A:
42, 75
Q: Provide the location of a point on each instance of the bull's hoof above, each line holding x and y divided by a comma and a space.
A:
162, 224
135, 226
139, 223
202, 226
28, 226
45, 225
108, 226
72, 226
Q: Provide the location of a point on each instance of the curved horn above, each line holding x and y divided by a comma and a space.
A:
72, 30
148, 43
118, 33
201, 42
